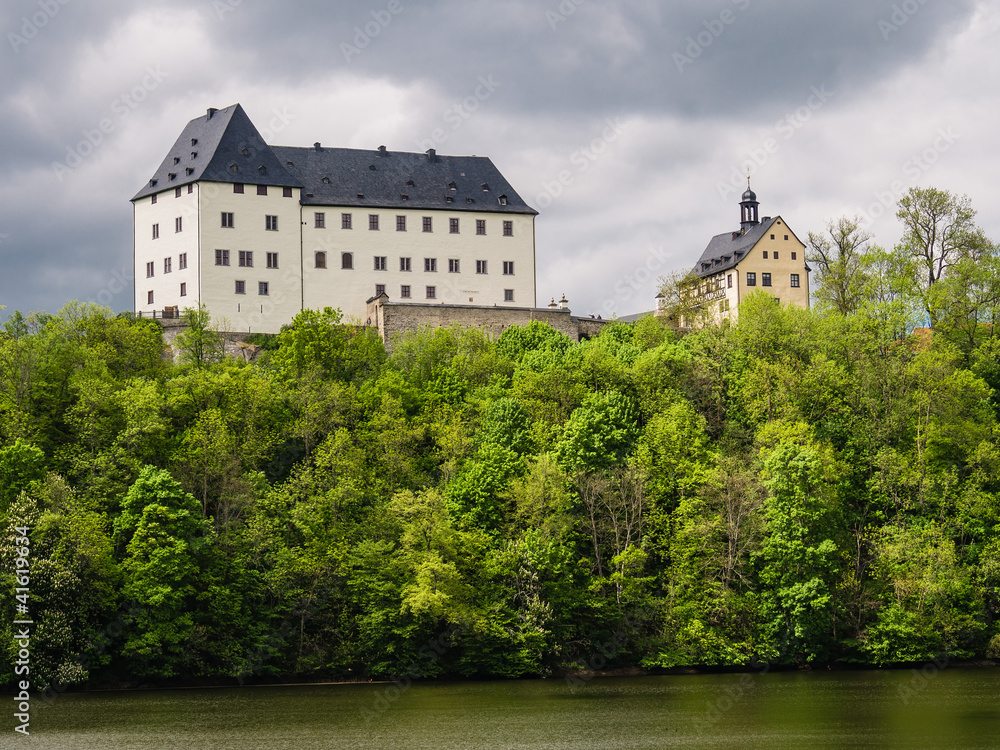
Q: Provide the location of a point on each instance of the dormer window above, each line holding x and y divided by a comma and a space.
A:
245, 152
190, 171
470, 200
409, 183
371, 167
177, 160
262, 169
194, 141
486, 188
194, 154
152, 183
502, 200
172, 176
326, 180
452, 186
404, 197
448, 199
234, 167
361, 196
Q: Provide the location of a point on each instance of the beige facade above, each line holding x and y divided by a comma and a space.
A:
763, 255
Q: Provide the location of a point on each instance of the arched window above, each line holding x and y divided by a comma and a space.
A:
320, 260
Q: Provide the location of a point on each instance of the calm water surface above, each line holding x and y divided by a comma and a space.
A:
952, 709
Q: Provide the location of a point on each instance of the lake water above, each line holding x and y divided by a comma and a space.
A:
957, 708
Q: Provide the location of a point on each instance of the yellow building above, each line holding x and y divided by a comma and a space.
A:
762, 255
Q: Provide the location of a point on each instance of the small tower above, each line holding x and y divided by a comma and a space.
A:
749, 209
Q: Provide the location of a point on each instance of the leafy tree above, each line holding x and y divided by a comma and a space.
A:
199, 344
838, 255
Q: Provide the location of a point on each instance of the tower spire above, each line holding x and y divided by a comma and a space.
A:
749, 209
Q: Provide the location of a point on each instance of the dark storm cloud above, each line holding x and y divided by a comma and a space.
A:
565, 67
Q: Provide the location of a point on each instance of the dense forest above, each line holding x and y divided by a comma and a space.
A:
796, 487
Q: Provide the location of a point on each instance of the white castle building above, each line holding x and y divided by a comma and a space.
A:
257, 233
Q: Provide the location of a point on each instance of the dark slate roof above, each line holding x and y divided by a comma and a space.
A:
220, 146
724, 251
355, 177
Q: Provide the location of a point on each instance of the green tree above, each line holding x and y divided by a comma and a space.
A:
838, 255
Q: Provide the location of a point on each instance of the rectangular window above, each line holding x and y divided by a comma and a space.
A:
320, 219
454, 265
178, 224
222, 257
381, 263
167, 265
480, 226
177, 192
508, 268
150, 270
246, 259
480, 266
729, 281
379, 289
772, 236
182, 261
751, 279
404, 291
775, 254
272, 260
227, 220
153, 199
508, 295
271, 223
430, 265
238, 187
453, 226
149, 297
795, 280
404, 264
793, 256
765, 279
286, 192
184, 289
347, 261
241, 287
428, 224
400, 223
156, 231
508, 229
262, 190
345, 221
373, 222
765, 255
786, 238
190, 189
320, 260
262, 288
431, 292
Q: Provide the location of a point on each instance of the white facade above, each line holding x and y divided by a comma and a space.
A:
255, 255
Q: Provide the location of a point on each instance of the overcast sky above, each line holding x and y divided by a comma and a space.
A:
628, 124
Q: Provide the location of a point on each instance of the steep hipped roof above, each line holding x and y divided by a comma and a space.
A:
400, 179
220, 146
224, 146
724, 251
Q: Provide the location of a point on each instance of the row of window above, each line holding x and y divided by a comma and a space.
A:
430, 292
774, 253
264, 289
238, 187
168, 263
427, 224
765, 279
381, 263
